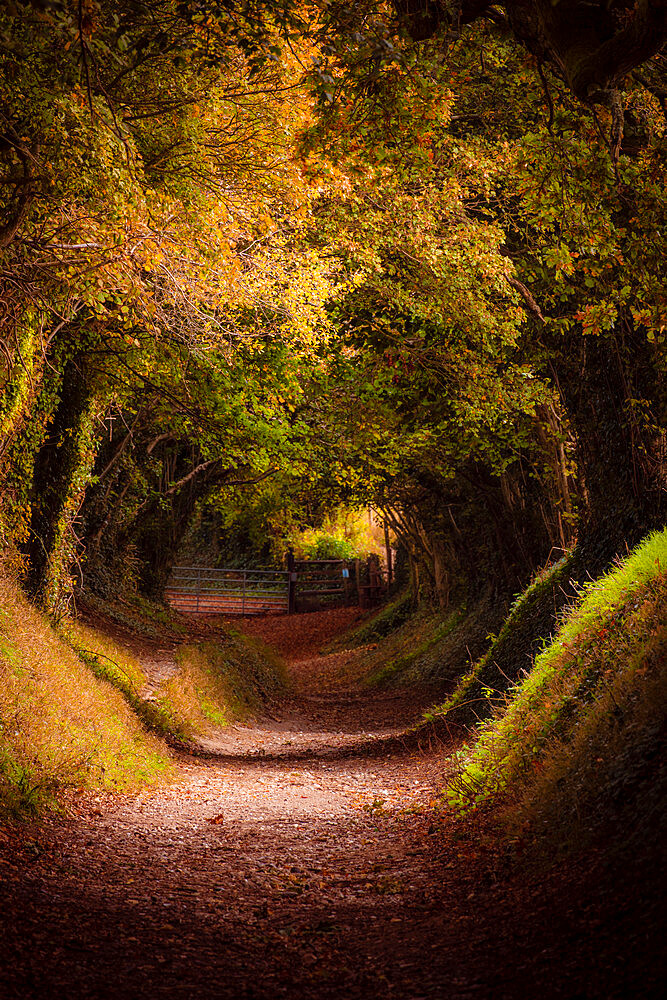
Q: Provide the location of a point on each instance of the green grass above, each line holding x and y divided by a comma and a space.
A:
606, 780
602, 641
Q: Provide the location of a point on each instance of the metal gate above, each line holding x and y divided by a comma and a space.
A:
307, 585
202, 590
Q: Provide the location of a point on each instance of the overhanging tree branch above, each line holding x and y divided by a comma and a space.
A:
531, 304
593, 45
205, 467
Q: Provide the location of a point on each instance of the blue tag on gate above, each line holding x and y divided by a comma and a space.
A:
346, 573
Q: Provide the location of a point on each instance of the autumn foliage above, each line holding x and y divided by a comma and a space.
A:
292, 257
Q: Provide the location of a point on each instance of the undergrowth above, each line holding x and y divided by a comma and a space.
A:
137, 614
591, 696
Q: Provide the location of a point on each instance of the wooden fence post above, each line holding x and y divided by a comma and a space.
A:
357, 574
345, 570
291, 583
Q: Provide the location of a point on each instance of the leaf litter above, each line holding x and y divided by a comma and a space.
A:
316, 869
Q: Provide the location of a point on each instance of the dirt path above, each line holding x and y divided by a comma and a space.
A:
297, 860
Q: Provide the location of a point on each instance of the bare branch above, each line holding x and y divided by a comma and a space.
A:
204, 467
156, 441
197, 471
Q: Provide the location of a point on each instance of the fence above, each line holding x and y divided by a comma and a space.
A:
304, 586
322, 583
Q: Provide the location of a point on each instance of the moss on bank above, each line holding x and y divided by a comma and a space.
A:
432, 649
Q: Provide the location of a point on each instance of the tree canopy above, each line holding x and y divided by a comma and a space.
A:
281, 257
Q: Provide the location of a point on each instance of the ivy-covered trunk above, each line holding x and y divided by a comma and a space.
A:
19, 387
60, 475
21, 427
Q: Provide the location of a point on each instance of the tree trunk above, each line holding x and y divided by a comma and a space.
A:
622, 475
440, 574
60, 477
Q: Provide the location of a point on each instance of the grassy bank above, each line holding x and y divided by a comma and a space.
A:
82, 709
221, 682
565, 708
403, 646
60, 726
580, 740
205, 684
529, 621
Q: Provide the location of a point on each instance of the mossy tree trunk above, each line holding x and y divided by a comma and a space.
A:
19, 388
60, 475
21, 425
